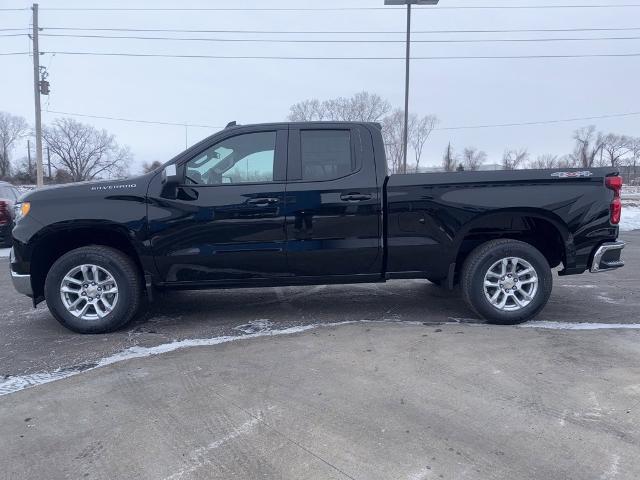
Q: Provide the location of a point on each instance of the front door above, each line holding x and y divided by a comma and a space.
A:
333, 207
227, 222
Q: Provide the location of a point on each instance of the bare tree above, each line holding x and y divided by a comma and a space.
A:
567, 161
514, 159
12, 129
150, 167
633, 160
392, 133
361, 107
615, 147
449, 159
589, 144
419, 131
24, 172
544, 161
85, 152
370, 107
472, 158
307, 111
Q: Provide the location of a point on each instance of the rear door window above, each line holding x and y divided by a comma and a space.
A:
326, 154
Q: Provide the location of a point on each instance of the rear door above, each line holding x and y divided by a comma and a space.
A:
333, 217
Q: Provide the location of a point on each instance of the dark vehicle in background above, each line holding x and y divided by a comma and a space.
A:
310, 203
8, 197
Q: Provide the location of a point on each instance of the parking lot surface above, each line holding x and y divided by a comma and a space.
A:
411, 387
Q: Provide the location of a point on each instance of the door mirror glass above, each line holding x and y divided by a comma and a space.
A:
170, 175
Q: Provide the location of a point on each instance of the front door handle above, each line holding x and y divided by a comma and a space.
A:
262, 202
355, 197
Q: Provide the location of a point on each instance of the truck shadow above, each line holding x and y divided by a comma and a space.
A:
402, 300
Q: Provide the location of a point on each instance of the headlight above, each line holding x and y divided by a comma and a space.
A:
21, 210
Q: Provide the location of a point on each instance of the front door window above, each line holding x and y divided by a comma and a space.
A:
247, 158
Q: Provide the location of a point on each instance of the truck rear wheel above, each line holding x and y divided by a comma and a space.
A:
506, 281
93, 289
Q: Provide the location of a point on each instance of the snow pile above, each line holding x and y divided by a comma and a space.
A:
630, 218
581, 326
4, 252
25, 188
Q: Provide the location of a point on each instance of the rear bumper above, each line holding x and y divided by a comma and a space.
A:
22, 283
607, 257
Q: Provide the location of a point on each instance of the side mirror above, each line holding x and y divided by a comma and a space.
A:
170, 176
171, 181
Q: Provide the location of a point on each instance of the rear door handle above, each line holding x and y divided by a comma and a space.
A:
262, 202
355, 197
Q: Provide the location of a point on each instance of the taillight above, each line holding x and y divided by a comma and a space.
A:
615, 184
4, 213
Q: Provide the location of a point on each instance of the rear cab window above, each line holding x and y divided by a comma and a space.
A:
326, 154
321, 154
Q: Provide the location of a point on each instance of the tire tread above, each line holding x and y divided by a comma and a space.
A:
132, 280
470, 266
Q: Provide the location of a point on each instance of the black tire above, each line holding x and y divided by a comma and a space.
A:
478, 264
123, 270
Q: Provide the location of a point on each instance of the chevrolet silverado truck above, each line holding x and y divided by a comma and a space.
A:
304, 204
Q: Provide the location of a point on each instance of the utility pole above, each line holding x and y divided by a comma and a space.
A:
36, 91
49, 161
405, 133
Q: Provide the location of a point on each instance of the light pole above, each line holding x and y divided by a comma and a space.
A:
405, 132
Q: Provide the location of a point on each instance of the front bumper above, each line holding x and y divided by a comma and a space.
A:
22, 283
607, 257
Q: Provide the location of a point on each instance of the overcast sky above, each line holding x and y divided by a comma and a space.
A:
216, 91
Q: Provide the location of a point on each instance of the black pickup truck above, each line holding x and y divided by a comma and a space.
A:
310, 203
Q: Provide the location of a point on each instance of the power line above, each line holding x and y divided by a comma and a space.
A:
15, 53
14, 35
254, 57
466, 127
270, 40
345, 32
131, 120
541, 122
316, 9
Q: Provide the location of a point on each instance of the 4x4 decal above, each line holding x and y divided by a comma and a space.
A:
584, 173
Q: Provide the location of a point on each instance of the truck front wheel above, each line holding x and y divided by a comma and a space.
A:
506, 281
93, 289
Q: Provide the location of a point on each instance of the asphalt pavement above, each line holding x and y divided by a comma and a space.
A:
412, 386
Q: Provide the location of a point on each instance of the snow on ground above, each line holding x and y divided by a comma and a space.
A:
4, 252
630, 218
16, 383
258, 328
581, 326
